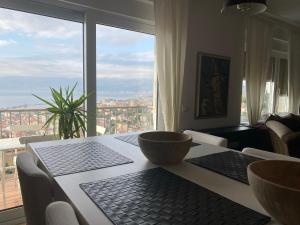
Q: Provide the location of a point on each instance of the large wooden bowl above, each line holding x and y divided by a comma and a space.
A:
164, 147
276, 185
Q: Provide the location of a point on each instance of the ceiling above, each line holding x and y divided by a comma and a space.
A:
286, 9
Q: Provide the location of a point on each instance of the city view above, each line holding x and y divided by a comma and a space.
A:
33, 58
38, 52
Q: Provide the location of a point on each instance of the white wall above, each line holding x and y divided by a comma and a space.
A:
214, 33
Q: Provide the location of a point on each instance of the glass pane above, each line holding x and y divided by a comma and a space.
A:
36, 52
125, 77
268, 103
282, 104
244, 114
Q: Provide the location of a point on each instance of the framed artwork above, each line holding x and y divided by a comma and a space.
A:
212, 86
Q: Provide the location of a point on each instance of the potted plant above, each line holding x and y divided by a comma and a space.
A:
67, 112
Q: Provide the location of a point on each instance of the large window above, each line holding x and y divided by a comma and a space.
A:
125, 78
36, 52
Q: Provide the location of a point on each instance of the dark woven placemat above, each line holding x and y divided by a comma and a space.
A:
133, 139
79, 157
159, 197
230, 164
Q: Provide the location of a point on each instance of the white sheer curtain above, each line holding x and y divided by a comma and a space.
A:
294, 73
258, 54
171, 20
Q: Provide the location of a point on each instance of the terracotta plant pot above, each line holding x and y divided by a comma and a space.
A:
165, 147
276, 185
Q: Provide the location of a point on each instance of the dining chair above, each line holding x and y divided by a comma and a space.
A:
199, 137
267, 155
31, 139
36, 189
60, 213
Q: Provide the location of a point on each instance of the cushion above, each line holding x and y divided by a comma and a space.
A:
292, 121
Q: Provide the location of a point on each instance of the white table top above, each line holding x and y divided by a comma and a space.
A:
231, 189
10, 143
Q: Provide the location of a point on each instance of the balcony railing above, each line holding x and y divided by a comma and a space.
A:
110, 120
23, 122
15, 123
115, 120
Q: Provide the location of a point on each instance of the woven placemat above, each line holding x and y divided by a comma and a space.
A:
79, 157
133, 139
230, 164
159, 197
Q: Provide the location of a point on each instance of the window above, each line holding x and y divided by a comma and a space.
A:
276, 87
125, 78
276, 91
282, 100
36, 52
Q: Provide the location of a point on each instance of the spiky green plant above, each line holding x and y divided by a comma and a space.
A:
67, 112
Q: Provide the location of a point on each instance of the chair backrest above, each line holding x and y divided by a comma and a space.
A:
267, 155
35, 188
60, 213
32, 139
278, 128
199, 137
277, 132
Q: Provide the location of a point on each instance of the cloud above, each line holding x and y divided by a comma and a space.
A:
4, 43
72, 67
41, 67
61, 49
124, 71
55, 56
115, 36
135, 65
37, 26
130, 58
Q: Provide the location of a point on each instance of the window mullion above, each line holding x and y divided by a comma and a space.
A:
90, 72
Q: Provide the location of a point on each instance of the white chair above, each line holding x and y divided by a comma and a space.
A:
284, 139
267, 155
32, 139
199, 137
60, 213
100, 130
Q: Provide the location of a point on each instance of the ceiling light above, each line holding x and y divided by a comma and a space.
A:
249, 7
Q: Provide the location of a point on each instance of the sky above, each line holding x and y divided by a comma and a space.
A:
38, 47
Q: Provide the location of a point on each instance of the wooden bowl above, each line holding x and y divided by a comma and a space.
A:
165, 148
276, 185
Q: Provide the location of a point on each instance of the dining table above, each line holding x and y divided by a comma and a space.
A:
75, 183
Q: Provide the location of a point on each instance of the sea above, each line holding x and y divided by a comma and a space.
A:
17, 92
